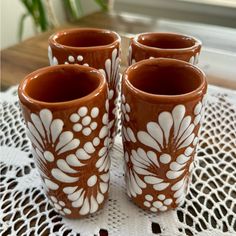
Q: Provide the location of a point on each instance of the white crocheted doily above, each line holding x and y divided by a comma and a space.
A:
209, 208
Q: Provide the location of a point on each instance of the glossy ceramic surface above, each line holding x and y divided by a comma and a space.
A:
97, 48
167, 45
162, 110
66, 114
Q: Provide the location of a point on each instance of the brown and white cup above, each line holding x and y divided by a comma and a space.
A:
162, 110
65, 108
167, 45
97, 48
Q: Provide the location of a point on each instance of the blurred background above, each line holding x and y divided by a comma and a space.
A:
21, 19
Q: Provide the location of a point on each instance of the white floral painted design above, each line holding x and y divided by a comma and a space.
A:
180, 190
112, 67
127, 132
181, 187
139, 163
159, 203
97, 183
130, 60
125, 108
49, 184
69, 171
84, 120
112, 75
88, 201
194, 59
44, 131
158, 133
157, 137
103, 163
52, 59
60, 206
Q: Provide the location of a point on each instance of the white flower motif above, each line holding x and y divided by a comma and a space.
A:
177, 167
158, 133
161, 203
49, 184
180, 190
125, 108
199, 112
47, 135
44, 131
60, 206
86, 124
71, 171
147, 165
130, 60
127, 132
194, 59
112, 75
66, 169
103, 163
52, 60
88, 199
157, 137
112, 67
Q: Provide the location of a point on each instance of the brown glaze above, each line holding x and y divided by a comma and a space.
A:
162, 109
98, 48
65, 108
168, 45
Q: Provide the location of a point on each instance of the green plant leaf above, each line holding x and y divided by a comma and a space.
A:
21, 26
79, 6
102, 4
72, 9
42, 17
27, 5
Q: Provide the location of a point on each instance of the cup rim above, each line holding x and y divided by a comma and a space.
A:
25, 98
53, 37
197, 42
161, 97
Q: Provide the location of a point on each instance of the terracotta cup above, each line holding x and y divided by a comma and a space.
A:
65, 109
97, 48
167, 45
162, 110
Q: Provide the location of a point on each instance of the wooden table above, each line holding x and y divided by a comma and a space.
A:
25, 57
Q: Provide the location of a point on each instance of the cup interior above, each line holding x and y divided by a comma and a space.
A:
166, 41
85, 38
167, 77
61, 84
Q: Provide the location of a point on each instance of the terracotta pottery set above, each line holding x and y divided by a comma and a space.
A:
70, 111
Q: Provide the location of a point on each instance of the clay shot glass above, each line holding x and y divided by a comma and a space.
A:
66, 116
162, 110
97, 48
167, 45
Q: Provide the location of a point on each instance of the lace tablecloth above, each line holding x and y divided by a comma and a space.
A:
209, 208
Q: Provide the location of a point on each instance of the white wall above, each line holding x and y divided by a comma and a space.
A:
12, 10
